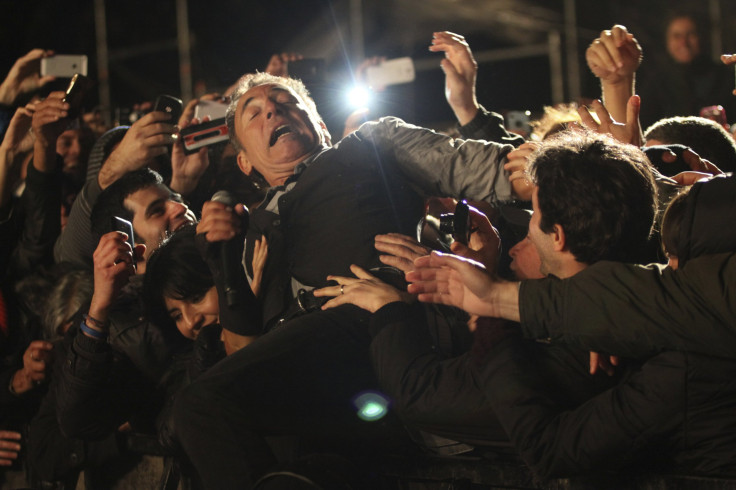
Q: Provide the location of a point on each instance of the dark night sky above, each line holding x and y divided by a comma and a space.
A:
232, 37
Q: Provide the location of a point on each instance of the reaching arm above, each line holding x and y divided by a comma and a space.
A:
614, 58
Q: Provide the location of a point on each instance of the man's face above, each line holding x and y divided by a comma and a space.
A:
683, 43
525, 262
276, 131
156, 212
543, 242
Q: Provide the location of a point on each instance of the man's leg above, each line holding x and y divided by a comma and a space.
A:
300, 379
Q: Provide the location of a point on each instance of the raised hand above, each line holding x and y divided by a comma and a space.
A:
146, 139
517, 162
113, 266
278, 65
628, 132
24, 76
49, 120
186, 170
460, 74
614, 56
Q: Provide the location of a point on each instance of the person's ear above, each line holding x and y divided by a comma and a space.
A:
243, 163
558, 238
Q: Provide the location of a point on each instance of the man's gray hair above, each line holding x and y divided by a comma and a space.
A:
251, 80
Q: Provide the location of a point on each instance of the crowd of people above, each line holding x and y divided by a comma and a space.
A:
290, 299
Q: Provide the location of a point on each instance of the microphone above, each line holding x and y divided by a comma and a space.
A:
231, 252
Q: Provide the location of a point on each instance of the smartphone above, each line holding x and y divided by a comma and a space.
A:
204, 134
308, 70
120, 224
212, 108
64, 65
170, 105
390, 72
75, 91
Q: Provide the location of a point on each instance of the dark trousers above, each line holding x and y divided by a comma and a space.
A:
299, 379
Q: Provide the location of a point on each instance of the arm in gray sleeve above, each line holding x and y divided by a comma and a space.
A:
489, 126
634, 310
76, 244
442, 166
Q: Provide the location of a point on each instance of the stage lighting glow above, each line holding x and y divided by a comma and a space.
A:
359, 97
371, 406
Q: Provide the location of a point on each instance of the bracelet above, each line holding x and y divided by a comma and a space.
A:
94, 321
96, 334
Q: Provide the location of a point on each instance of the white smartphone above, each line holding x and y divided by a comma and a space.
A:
64, 65
212, 108
390, 72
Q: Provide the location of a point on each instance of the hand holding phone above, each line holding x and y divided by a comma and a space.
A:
170, 105
120, 224
75, 92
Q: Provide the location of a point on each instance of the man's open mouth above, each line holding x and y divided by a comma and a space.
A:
279, 132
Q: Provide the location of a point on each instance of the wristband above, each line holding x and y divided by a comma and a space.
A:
92, 332
94, 321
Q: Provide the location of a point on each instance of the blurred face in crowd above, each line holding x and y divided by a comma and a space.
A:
156, 212
683, 43
69, 146
276, 130
525, 262
191, 314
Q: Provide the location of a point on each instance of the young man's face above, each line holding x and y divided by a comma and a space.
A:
683, 43
543, 242
276, 130
525, 262
156, 212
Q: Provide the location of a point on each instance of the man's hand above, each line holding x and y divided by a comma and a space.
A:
36, 364
517, 162
365, 291
9, 447
24, 76
49, 121
220, 222
615, 56
278, 65
484, 245
113, 266
146, 139
401, 250
629, 132
729, 59
463, 283
18, 138
460, 74
186, 170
